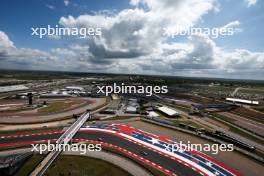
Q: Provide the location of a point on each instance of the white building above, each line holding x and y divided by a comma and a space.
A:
236, 100
153, 114
168, 111
131, 109
12, 88
74, 88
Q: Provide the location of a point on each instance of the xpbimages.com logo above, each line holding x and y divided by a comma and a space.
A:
75, 147
66, 31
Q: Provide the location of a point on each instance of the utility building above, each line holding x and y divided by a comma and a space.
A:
168, 112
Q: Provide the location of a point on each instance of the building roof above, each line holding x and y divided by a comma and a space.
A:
75, 88
153, 114
131, 109
168, 111
12, 88
54, 95
243, 101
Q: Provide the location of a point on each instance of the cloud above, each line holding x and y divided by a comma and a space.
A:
136, 32
73, 57
250, 3
122, 35
50, 7
10, 54
132, 41
187, 13
66, 2
200, 56
232, 25
54, 37
4, 41
242, 59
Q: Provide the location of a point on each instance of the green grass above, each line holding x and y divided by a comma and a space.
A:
182, 108
30, 131
260, 109
249, 116
120, 118
252, 91
29, 165
239, 132
186, 122
225, 118
57, 106
74, 165
246, 135
81, 165
23, 108
247, 113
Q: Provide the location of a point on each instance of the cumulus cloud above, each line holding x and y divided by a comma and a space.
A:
250, 3
74, 57
232, 25
133, 41
50, 7
4, 41
201, 57
10, 54
136, 32
66, 2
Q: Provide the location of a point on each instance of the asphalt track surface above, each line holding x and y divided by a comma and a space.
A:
161, 160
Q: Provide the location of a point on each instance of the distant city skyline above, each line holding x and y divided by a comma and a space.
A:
133, 39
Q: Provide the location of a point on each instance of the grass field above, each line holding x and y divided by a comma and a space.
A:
194, 98
259, 91
120, 118
30, 131
254, 115
227, 119
183, 108
80, 165
29, 165
260, 109
74, 165
58, 106
237, 130
186, 122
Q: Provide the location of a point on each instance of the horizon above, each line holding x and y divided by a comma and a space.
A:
134, 74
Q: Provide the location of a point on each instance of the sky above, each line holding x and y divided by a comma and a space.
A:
136, 37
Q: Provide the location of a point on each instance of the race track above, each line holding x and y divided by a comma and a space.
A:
135, 141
